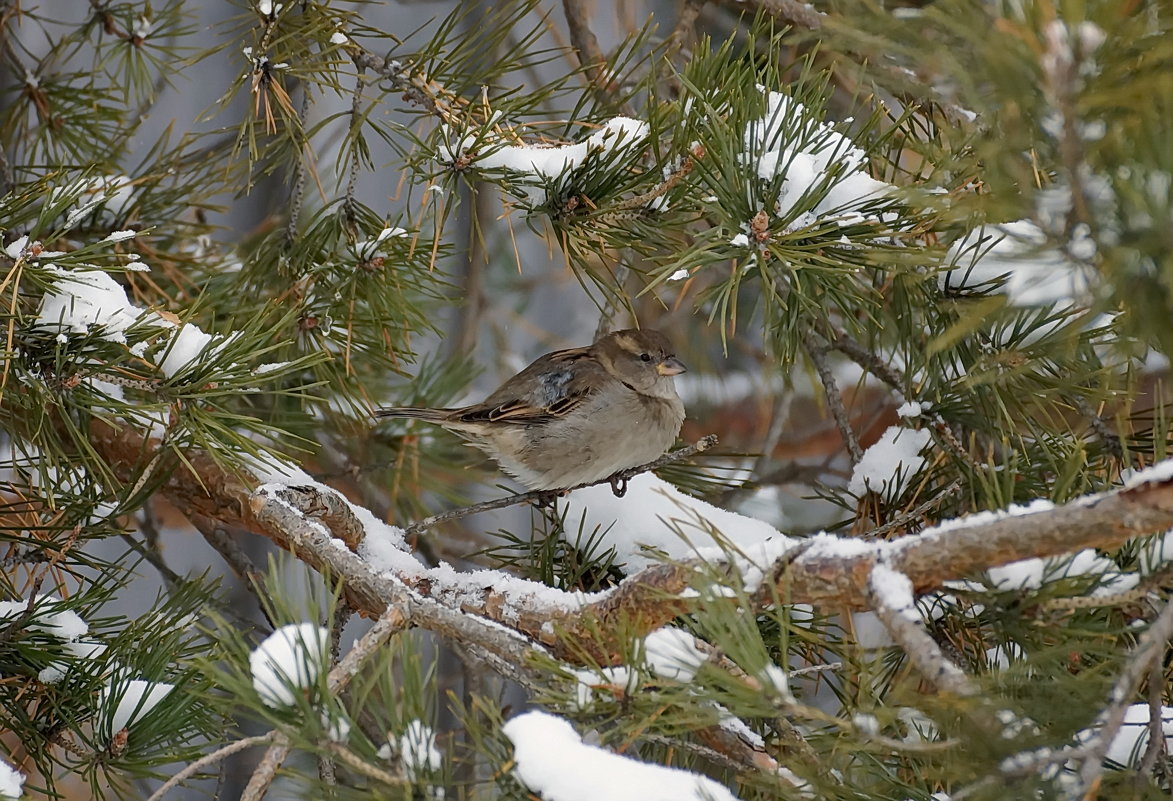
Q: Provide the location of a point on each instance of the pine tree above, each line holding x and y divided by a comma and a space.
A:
915, 255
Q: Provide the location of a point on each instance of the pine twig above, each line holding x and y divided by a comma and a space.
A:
790, 12
1144, 655
1100, 426
393, 620
909, 633
1148, 650
818, 356
907, 517
349, 203
685, 23
1157, 741
704, 444
297, 193
223, 543
858, 353
207, 760
586, 46
894, 378
266, 770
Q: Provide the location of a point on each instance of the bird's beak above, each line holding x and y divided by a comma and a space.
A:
671, 366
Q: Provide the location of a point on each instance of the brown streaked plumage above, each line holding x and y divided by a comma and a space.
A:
576, 416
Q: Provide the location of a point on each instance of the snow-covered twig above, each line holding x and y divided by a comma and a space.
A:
891, 596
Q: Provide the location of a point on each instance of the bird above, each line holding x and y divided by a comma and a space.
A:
576, 416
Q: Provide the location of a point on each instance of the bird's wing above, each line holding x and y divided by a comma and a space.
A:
551, 387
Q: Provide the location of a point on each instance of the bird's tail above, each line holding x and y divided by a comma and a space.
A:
415, 413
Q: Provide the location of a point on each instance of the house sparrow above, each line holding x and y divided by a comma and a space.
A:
576, 416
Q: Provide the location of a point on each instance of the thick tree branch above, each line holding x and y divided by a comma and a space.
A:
819, 570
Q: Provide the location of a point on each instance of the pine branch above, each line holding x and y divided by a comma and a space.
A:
1149, 649
266, 770
648, 599
393, 620
906, 627
543, 496
219, 755
790, 12
818, 356
586, 47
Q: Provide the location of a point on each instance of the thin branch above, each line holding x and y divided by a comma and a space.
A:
779, 417
818, 356
704, 444
229, 549
208, 760
266, 770
906, 627
1148, 650
297, 193
676, 176
1100, 426
226, 545
1150, 584
842, 342
790, 12
1157, 744
607, 312
349, 202
364, 767
586, 47
415, 88
685, 26
901, 521
395, 618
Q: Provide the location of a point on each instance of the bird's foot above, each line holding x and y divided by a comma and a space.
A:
619, 485
546, 500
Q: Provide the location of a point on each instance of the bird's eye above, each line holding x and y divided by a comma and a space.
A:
645, 357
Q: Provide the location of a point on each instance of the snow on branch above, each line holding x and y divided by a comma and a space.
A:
551, 759
890, 593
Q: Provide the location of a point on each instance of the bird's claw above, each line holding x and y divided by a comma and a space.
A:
619, 486
546, 499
